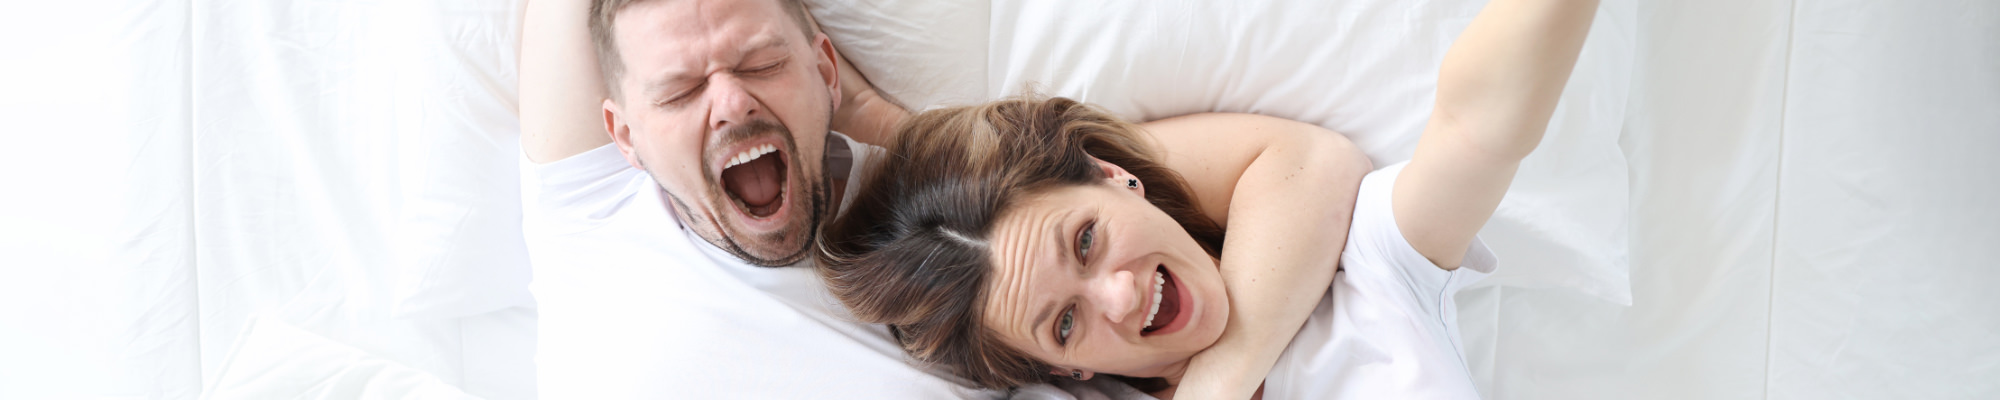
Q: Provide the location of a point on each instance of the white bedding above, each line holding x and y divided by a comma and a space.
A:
1365, 68
1810, 196
177, 168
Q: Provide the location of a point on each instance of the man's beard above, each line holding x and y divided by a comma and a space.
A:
804, 226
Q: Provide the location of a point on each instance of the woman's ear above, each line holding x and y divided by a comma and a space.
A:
1119, 177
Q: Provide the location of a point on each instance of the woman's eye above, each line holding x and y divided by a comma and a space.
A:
1063, 326
1084, 240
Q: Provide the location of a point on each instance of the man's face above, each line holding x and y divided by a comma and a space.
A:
726, 104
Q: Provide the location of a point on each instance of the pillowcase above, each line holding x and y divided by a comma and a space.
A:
1365, 68
458, 239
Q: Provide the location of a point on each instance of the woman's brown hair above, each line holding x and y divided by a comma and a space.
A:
912, 249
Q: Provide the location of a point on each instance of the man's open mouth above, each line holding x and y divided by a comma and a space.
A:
755, 180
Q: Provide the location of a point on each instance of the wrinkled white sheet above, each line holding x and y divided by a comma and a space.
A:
275, 360
177, 168
1812, 196
97, 266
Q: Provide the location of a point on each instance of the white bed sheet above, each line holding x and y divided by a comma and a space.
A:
178, 168
97, 294
1812, 198
1888, 223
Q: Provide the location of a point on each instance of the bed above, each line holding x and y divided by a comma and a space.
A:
1746, 199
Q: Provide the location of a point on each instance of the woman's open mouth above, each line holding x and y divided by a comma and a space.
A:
755, 180
1168, 312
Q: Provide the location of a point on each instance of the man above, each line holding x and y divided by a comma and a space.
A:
661, 248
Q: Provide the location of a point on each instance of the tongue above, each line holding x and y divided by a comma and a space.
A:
757, 182
1170, 305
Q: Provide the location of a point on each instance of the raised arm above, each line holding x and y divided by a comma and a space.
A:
1285, 192
1498, 86
562, 92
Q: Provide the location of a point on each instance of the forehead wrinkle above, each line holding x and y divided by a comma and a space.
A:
764, 38
1017, 243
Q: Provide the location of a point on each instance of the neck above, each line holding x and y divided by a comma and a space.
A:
838, 164
1173, 376
839, 186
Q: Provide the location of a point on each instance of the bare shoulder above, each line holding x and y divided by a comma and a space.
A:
1212, 124
1211, 151
1214, 140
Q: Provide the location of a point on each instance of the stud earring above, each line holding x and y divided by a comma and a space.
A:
1076, 374
1131, 183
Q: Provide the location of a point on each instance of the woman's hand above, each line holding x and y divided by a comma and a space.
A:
864, 114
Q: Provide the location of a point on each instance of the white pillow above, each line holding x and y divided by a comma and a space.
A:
1365, 68
458, 239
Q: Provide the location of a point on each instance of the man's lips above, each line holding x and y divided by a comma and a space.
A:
756, 181
754, 176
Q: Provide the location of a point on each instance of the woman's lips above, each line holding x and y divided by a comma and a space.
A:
1175, 307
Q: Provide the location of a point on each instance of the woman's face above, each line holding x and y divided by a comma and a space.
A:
1095, 278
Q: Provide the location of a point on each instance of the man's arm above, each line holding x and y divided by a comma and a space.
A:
562, 92
1285, 192
1496, 90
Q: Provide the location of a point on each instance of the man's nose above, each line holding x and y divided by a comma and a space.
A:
729, 102
1116, 295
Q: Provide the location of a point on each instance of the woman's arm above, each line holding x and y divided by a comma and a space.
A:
1496, 90
1284, 191
864, 114
562, 92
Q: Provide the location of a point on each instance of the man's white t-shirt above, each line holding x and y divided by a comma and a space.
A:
634, 305
1387, 328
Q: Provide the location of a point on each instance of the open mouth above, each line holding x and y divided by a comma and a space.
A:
1166, 309
755, 180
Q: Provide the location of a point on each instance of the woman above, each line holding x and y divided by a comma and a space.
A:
1025, 240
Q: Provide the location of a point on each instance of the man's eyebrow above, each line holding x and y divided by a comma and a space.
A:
764, 42
666, 80
756, 44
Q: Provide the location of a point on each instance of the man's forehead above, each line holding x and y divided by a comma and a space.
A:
704, 16
690, 23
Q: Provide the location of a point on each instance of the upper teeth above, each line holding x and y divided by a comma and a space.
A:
750, 154
1159, 285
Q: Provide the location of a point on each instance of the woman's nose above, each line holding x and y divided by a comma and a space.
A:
1116, 295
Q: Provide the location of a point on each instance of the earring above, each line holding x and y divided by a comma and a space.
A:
1131, 183
1076, 374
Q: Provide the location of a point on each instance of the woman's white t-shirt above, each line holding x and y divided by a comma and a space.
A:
1387, 328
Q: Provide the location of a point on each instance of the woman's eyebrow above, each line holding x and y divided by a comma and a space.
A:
1055, 227
1043, 317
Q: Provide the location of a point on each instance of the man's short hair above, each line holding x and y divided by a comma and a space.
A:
603, 23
